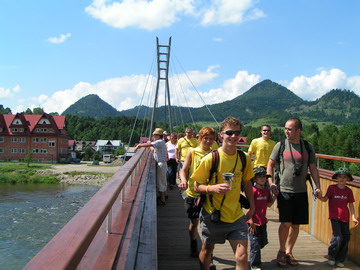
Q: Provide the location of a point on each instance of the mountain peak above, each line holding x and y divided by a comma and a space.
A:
93, 106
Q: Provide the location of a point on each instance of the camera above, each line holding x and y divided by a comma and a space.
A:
215, 216
297, 169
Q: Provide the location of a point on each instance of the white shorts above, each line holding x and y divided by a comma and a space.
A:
161, 181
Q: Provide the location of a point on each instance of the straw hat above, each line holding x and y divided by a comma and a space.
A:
158, 131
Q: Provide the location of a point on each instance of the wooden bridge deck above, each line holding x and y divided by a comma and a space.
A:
173, 243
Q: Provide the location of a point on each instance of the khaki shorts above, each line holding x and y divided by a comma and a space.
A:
218, 233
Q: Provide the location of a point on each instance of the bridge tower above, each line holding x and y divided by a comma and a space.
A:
163, 61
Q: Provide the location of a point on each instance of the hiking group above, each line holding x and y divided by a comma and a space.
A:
213, 179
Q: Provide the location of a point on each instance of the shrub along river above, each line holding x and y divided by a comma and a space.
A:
31, 214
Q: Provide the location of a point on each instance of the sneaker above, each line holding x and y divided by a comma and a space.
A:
255, 268
340, 264
331, 262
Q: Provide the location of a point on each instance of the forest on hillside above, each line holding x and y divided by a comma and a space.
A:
331, 139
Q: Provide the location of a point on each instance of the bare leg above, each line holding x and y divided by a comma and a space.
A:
293, 235
240, 251
193, 228
283, 234
205, 256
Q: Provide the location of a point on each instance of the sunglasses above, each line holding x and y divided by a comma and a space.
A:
266, 130
232, 132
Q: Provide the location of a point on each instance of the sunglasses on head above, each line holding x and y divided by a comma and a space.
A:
232, 132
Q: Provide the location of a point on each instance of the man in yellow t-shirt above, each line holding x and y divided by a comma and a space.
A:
223, 198
183, 146
262, 147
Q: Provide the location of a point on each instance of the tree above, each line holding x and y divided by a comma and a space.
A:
38, 110
28, 158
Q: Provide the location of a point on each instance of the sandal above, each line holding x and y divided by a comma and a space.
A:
281, 258
291, 260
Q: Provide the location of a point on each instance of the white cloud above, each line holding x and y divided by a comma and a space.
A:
149, 15
311, 88
218, 39
60, 39
229, 12
157, 14
8, 93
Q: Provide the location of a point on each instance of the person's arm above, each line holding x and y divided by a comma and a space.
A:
273, 198
218, 188
177, 155
315, 176
352, 213
184, 170
323, 198
147, 144
250, 196
270, 174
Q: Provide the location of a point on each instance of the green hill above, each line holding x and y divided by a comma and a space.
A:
92, 106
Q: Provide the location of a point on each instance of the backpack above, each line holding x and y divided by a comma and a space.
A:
214, 166
281, 155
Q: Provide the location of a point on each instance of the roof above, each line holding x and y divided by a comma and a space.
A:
30, 121
108, 142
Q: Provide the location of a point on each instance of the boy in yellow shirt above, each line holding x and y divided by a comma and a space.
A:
222, 217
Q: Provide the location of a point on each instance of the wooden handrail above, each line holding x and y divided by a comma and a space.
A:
338, 158
69, 245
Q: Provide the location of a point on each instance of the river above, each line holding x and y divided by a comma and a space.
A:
31, 214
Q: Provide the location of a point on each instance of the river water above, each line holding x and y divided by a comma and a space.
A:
31, 214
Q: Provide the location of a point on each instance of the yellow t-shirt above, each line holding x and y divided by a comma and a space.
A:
184, 144
261, 149
214, 146
231, 209
196, 155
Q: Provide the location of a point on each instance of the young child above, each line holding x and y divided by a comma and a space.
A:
257, 224
341, 200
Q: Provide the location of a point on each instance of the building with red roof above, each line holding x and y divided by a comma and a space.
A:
44, 135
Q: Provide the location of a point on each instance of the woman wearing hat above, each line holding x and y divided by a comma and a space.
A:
160, 155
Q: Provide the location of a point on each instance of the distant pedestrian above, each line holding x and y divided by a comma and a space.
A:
257, 224
341, 200
172, 164
262, 147
184, 144
161, 156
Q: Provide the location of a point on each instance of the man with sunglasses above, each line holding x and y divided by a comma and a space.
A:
221, 217
261, 147
292, 198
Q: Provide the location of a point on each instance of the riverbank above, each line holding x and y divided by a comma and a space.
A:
74, 174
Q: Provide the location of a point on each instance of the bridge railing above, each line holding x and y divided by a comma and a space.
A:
105, 233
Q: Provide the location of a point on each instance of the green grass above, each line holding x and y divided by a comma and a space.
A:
20, 173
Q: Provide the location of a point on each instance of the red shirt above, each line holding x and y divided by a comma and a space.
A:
338, 202
262, 197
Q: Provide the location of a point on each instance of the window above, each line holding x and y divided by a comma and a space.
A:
13, 150
14, 139
17, 130
51, 143
22, 140
1, 139
1, 150
40, 151
17, 122
21, 150
35, 139
43, 139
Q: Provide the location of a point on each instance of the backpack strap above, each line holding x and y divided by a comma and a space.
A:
243, 159
215, 163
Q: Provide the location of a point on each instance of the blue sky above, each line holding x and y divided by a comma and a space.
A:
52, 53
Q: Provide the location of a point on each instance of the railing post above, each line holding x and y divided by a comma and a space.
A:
108, 222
